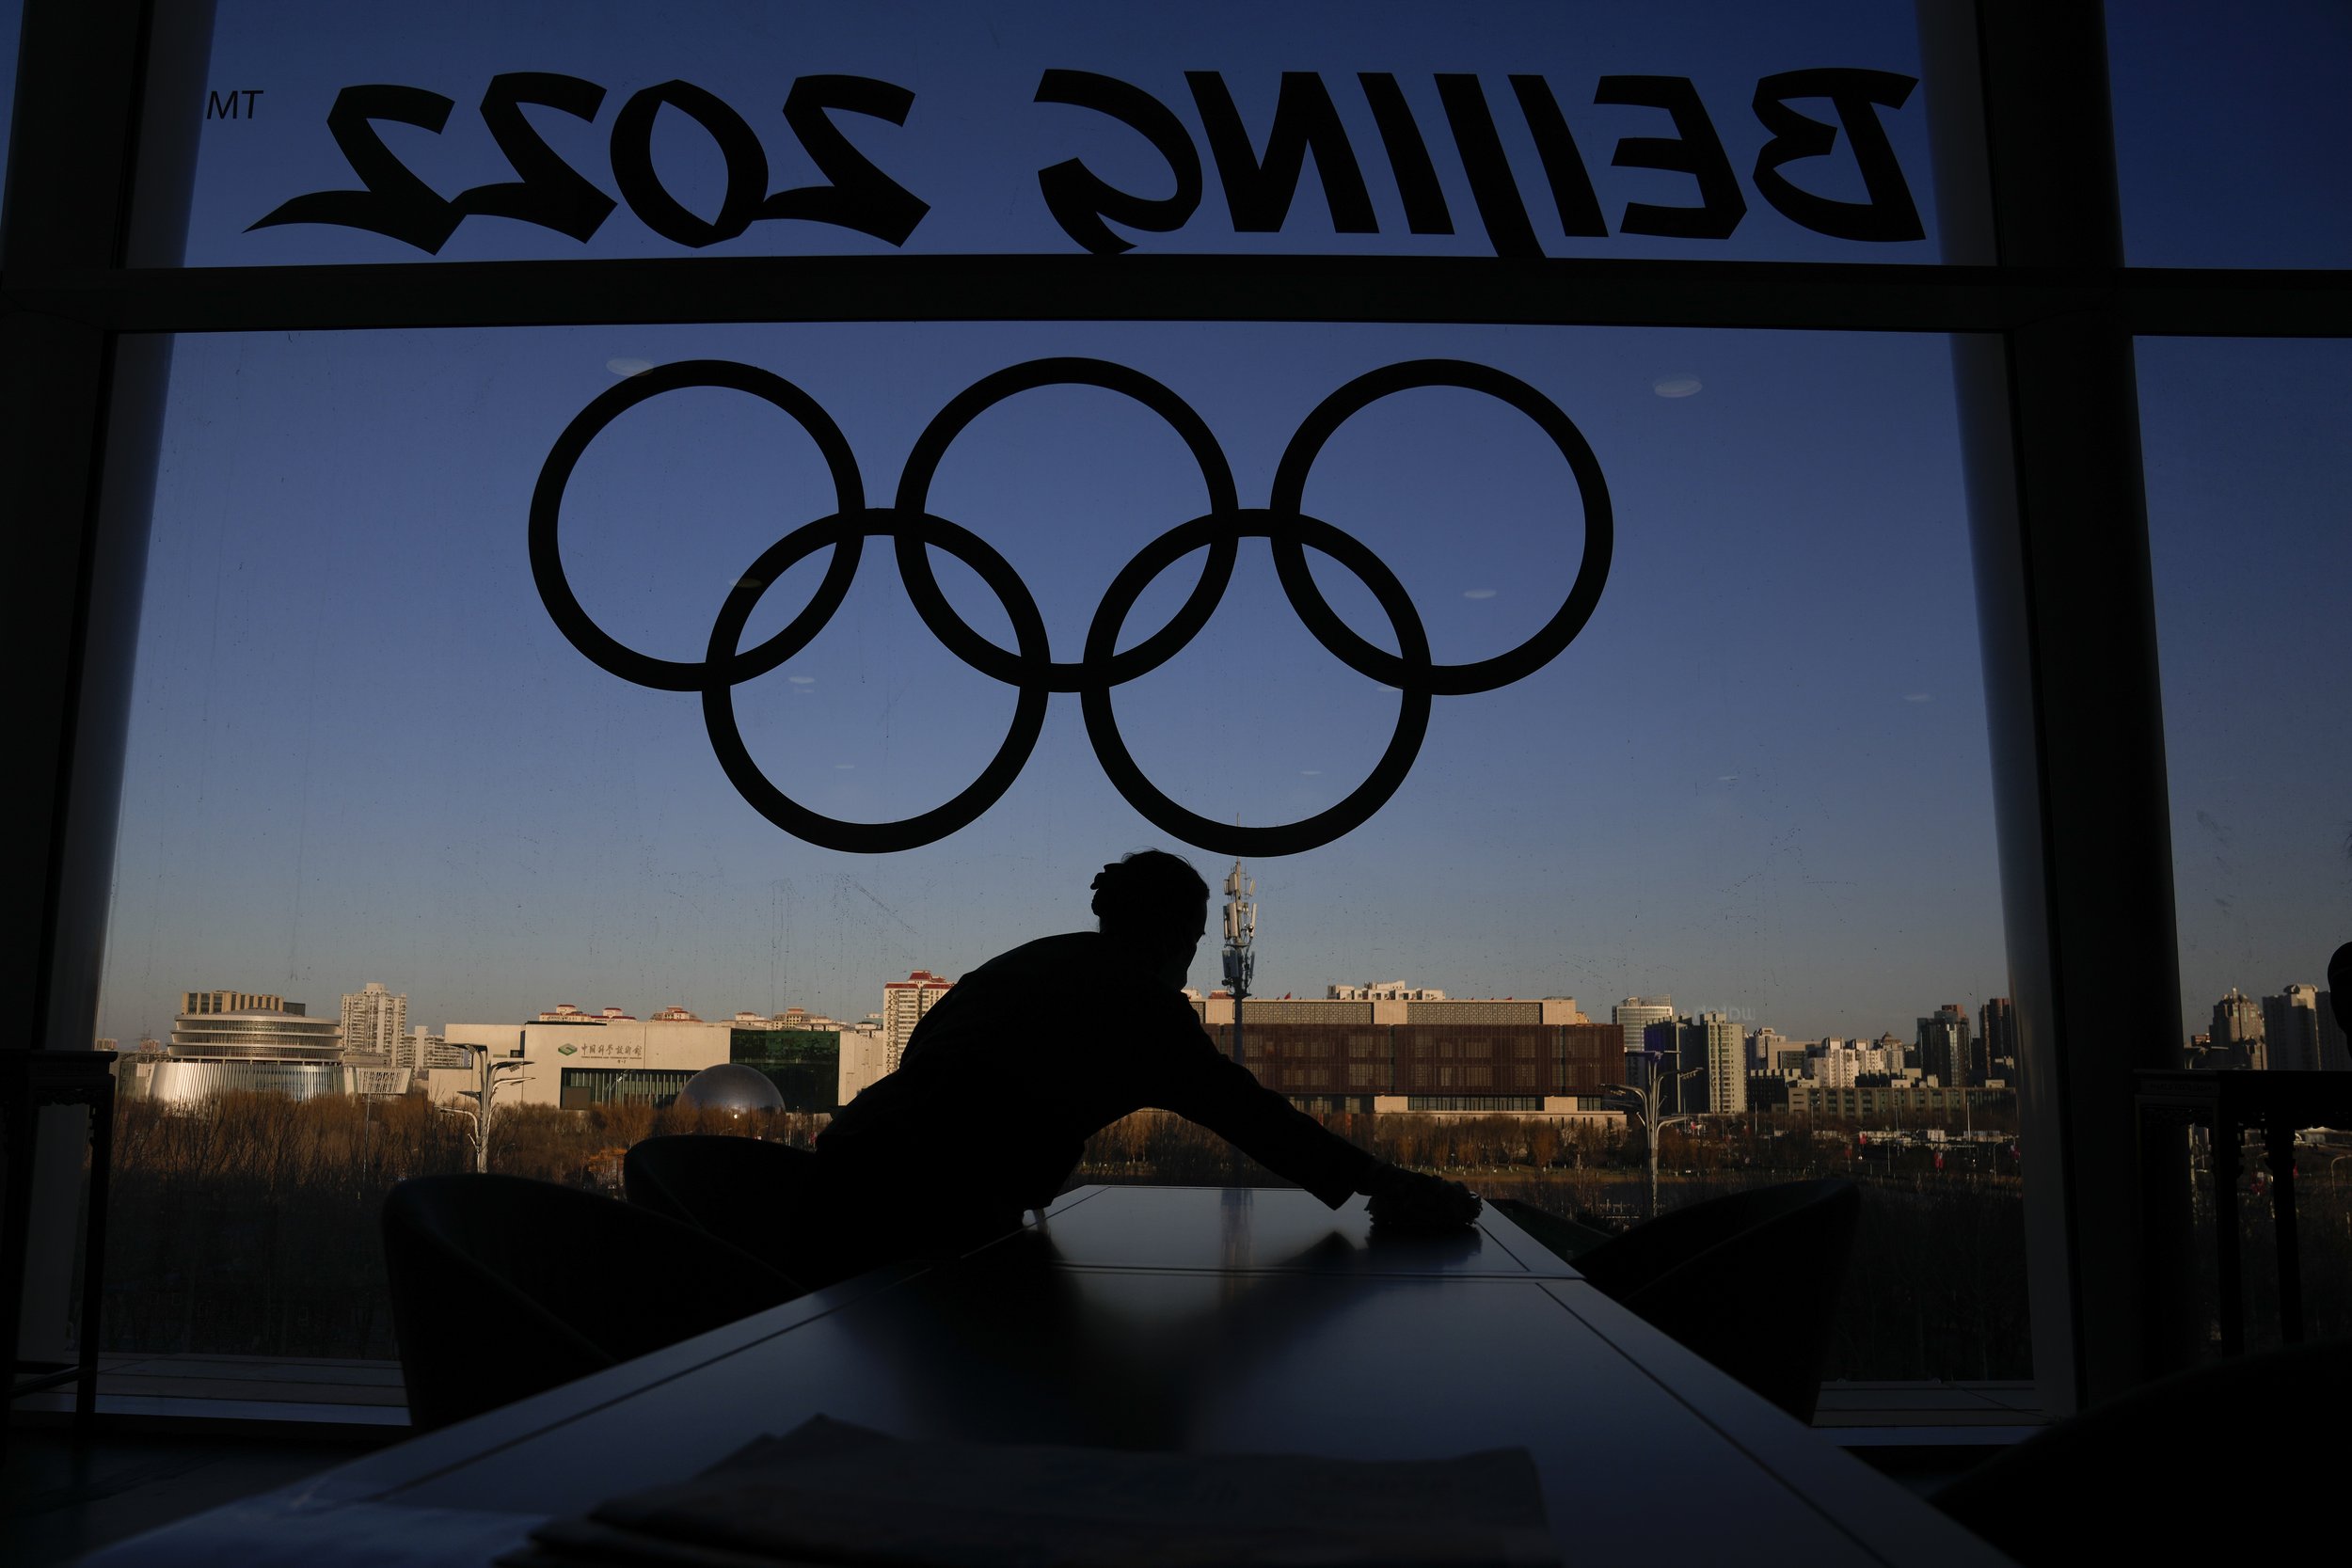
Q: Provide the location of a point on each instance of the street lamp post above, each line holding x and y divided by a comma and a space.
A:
489, 1078
1645, 1101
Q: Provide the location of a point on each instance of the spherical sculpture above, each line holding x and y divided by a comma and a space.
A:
731, 1086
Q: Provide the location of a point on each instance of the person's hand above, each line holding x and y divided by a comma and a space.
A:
1405, 1200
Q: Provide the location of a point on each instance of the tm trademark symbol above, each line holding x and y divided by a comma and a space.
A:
224, 105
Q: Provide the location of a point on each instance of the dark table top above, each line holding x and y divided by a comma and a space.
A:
1210, 1320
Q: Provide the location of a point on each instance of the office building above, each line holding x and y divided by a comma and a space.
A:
2291, 1029
1635, 1014
231, 1002
254, 1032
1711, 1046
863, 1059
1996, 1038
280, 1050
1216, 1009
1459, 1055
375, 1025
904, 1002
1944, 1046
2237, 1030
1495, 1058
577, 1061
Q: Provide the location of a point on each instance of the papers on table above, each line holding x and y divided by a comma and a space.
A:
831, 1493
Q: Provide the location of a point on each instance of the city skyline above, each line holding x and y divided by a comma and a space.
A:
2255, 1018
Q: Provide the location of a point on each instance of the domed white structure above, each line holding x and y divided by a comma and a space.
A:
731, 1086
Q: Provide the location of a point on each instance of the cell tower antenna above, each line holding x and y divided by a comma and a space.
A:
1241, 934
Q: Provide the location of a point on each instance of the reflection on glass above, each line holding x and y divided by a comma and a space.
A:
472, 133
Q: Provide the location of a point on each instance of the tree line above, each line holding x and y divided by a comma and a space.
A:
248, 1225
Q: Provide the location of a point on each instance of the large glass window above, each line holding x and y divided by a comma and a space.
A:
385, 825
2247, 479
1754, 791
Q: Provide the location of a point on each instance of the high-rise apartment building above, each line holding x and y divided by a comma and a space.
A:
1710, 1045
1764, 1046
428, 1050
1996, 1038
2237, 1028
1943, 1054
1725, 1052
375, 1023
904, 1002
2291, 1029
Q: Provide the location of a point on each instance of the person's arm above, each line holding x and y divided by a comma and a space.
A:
1227, 1099
1202, 1085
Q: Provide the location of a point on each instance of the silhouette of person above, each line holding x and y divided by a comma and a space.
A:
1029, 1055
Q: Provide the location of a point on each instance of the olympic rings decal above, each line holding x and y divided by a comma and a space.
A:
1029, 668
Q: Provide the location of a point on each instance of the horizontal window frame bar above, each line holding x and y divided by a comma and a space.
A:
1465, 291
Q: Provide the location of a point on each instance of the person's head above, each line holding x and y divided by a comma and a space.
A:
1155, 904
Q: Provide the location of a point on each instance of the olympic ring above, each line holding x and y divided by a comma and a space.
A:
844, 530
1445, 680
1031, 669
1387, 774
914, 487
547, 502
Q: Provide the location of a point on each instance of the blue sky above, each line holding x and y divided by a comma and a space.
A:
361, 752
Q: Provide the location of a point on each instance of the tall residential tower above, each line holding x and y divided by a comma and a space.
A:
375, 1023
904, 1002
